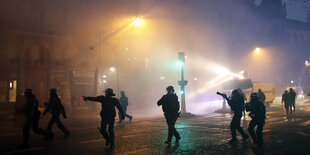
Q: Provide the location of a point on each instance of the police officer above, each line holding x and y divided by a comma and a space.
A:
236, 103
55, 107
292, 98
108, 104
261, 96
171, 107
285, 101
32, 115
258, 114
124, 104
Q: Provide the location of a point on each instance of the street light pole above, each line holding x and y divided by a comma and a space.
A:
182, 82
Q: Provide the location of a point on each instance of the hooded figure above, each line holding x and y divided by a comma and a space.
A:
108, 104
171, 107
258, 114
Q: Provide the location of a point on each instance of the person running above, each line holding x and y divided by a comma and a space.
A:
236, 103
55, 107
108, 104
124, 104
171, 107
32, 115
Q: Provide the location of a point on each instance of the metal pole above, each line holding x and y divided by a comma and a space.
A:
183, 108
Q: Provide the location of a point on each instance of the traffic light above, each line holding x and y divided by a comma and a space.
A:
181, 58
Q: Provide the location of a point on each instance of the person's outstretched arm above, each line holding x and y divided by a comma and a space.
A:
94, 99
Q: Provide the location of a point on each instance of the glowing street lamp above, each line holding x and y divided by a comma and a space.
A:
257, 50
112, 69
138, 22
307, 63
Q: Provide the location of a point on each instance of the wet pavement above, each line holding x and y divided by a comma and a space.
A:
207, 134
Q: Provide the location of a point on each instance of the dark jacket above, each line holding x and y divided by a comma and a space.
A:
291, 97
55, 107
108, 105
31, 108
169, 103
285, 98
236, 103
257, 110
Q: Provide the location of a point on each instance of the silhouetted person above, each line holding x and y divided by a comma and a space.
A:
236, 103
108, 104
261, 96
55, 107
258, 114
285, 101
291, 99
124, 104
171, 107
244, 97
32, 115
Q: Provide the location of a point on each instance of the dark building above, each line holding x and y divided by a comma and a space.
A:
38, 52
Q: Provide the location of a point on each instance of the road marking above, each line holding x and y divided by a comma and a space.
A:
92, 141
128, 136
306, 123
24, 150
303, 134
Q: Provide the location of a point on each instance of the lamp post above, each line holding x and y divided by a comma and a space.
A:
182, 82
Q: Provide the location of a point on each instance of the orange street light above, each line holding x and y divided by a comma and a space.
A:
307, 63
112, 69
257, 50
137, 22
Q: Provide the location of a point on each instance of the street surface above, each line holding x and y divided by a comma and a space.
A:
207, 134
